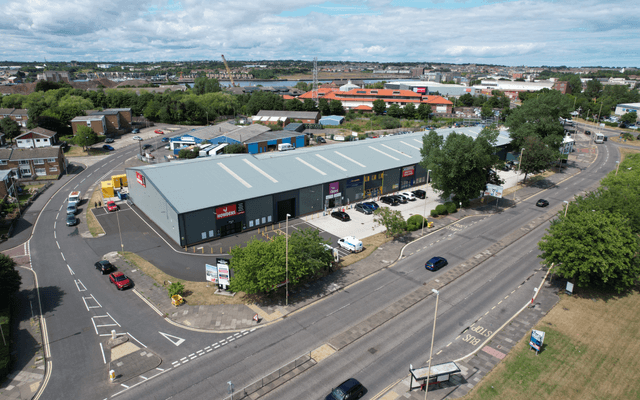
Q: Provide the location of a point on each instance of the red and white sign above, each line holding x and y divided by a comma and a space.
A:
408, 171
421, 90
141, 180
226, 211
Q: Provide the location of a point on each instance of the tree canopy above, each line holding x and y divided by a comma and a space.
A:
379, 106
10, 279
536, 156
85, 136
10, 128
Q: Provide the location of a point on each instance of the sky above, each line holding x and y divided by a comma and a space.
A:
573, 33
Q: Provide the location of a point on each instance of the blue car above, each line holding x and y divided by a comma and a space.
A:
372, 204
108, 148
165, 139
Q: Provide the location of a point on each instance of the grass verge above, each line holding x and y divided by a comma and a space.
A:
626, 152
94, 226
370, 244
196, 293
590, 352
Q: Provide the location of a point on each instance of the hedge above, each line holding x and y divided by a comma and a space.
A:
451, 207
415, 222
441, 209
434, 213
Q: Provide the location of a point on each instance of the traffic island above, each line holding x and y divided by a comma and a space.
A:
128, 360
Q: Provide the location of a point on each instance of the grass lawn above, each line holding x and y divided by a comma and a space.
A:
94, 226
625, 152
370, 244
590, 351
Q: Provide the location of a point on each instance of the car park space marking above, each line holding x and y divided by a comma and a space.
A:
397, 151
87, 304
383, 153
350, 159
410, 145
142, 344
272, 179
331, 162
62, 254
311, 166
104, 360
419, 141
230, 172
79, 284
58, 244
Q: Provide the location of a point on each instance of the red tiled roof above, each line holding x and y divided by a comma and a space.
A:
363, 108
322, 92
436, 100
381, 92
287, 97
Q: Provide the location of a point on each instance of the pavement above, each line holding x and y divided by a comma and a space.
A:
29, 368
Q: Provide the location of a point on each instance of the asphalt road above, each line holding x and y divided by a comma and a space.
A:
80, 305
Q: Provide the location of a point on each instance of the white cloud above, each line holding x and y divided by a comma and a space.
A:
563, 32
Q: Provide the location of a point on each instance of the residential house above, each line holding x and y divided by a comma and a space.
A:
28, 163
96, 122
6, 184
37, 137
19, 115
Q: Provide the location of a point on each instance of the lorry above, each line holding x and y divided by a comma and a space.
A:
74, 198
599, 138
350, 243
285, 147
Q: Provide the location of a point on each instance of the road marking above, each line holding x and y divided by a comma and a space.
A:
54, 234
78, 284
136, 340
178, 340
122, 384
62, 254
54, 224
500, 302
159, 369
104, 360
142, 376
70, 270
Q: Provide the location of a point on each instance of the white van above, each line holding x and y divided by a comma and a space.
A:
599, 138
74, 198
285, 147
350, 243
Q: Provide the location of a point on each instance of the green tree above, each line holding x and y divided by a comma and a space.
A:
203, 85
629, 118
379, 106
10, 128
536, 156
309, 105
335, 107
466, 100
264, 101
392, 220
85, 137
395, 111
307, 255
593, 90
486, 112
293, 105
575, 84
188, 154
424, 111
410, 111
10, 279
592, 248
323, 107
459, 165
235, 148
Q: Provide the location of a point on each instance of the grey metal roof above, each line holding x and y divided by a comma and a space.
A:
246, 176
273, 135
93, 117
105, 112
289, 114
246, 133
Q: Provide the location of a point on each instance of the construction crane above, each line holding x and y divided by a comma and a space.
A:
228, 70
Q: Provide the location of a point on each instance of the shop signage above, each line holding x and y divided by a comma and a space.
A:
334, 187
211, 273
408, 171
421, 90
223, 271
140, 179
230, 210
354, 182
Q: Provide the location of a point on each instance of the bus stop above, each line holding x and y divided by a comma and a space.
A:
439, 373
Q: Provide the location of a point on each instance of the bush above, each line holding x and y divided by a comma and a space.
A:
451, 207
627, 136
415, 222
176, 288
434, 213
441, 209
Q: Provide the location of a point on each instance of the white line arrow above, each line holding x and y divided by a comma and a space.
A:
170, 338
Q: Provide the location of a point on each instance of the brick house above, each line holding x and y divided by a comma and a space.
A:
96, 122
109, 122
37, 137
28, 163
19, 115
6, 184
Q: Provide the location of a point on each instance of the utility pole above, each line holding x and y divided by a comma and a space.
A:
314, 89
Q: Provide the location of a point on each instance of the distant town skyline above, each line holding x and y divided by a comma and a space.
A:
500, 32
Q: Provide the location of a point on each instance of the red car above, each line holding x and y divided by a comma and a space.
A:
120, 280
159, 132
112, 206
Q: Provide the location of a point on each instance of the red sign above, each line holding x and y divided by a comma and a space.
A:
421, 90
226, 211
408, 171
140, 179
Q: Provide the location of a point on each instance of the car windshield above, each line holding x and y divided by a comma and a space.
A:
121, 278
337, 394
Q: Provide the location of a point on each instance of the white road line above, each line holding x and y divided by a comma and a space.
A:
114, 320
62, 254
78, 284
94, 325
183, 358
122, 384
176, 362
58, 245
83, 180
142, 376
54, 224
229, 337
104, 360
159, 369
136, 340
54, 234
209, 350
70, 270
94, 299
216, 346
192, 354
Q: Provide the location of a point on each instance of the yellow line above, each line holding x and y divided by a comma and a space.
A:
500, 302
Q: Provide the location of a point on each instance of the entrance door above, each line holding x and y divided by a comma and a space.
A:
230, 229
286, 207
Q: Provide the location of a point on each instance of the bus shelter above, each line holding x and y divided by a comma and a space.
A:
439, 373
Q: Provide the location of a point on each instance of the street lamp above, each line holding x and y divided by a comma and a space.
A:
566, 207
286, 259
519, 167
617, 167
426, 388
424, 215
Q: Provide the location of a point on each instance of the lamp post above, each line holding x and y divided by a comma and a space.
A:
424, 216
426, 388
617, 167
286, 259
566, 207
519, 168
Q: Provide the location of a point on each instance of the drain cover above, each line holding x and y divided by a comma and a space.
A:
372, 350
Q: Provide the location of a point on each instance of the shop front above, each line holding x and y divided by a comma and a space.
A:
373, 184
407, 178
354, 189
230, 219
334, 197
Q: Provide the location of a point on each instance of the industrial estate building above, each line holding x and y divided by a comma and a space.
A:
204, 199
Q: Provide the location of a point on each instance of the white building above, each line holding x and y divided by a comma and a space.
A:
622, 109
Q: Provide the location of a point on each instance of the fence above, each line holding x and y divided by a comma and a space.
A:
248, 390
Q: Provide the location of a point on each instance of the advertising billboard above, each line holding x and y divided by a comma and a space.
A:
334, 187
408, 171
223, 271
211, 273
493, 190
537, 338
140, 179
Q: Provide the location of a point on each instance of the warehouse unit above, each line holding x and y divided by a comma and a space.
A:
204, 199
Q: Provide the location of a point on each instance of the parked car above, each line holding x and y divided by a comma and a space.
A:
421, 194
409, 196
435, 263
392, 201
587, 132
165, 139
320, 140
112, 206
108, 148
104, 266
168, 147
72, 209
71, 220
120, 280
373, 205
401, 198
341, 215
542, 203
159, 132
135, 130
109, 140
360, 207
146, 146
138, 138
350, 243
349, 389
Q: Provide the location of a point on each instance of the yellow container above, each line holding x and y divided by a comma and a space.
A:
107, 189
119, 181
176, 300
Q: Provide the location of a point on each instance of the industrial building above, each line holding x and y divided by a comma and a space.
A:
204, 199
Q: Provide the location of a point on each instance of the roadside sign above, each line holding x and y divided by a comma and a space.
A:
211, 273
223, 272
537, 338
493, 190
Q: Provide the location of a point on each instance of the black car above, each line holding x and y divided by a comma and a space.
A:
363, 209
421, 194
71, 220
320, 140
587, 132
147, 146
349, 389
341, 215
435, 263
542, 203
392, 201
104, 266
401, 199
